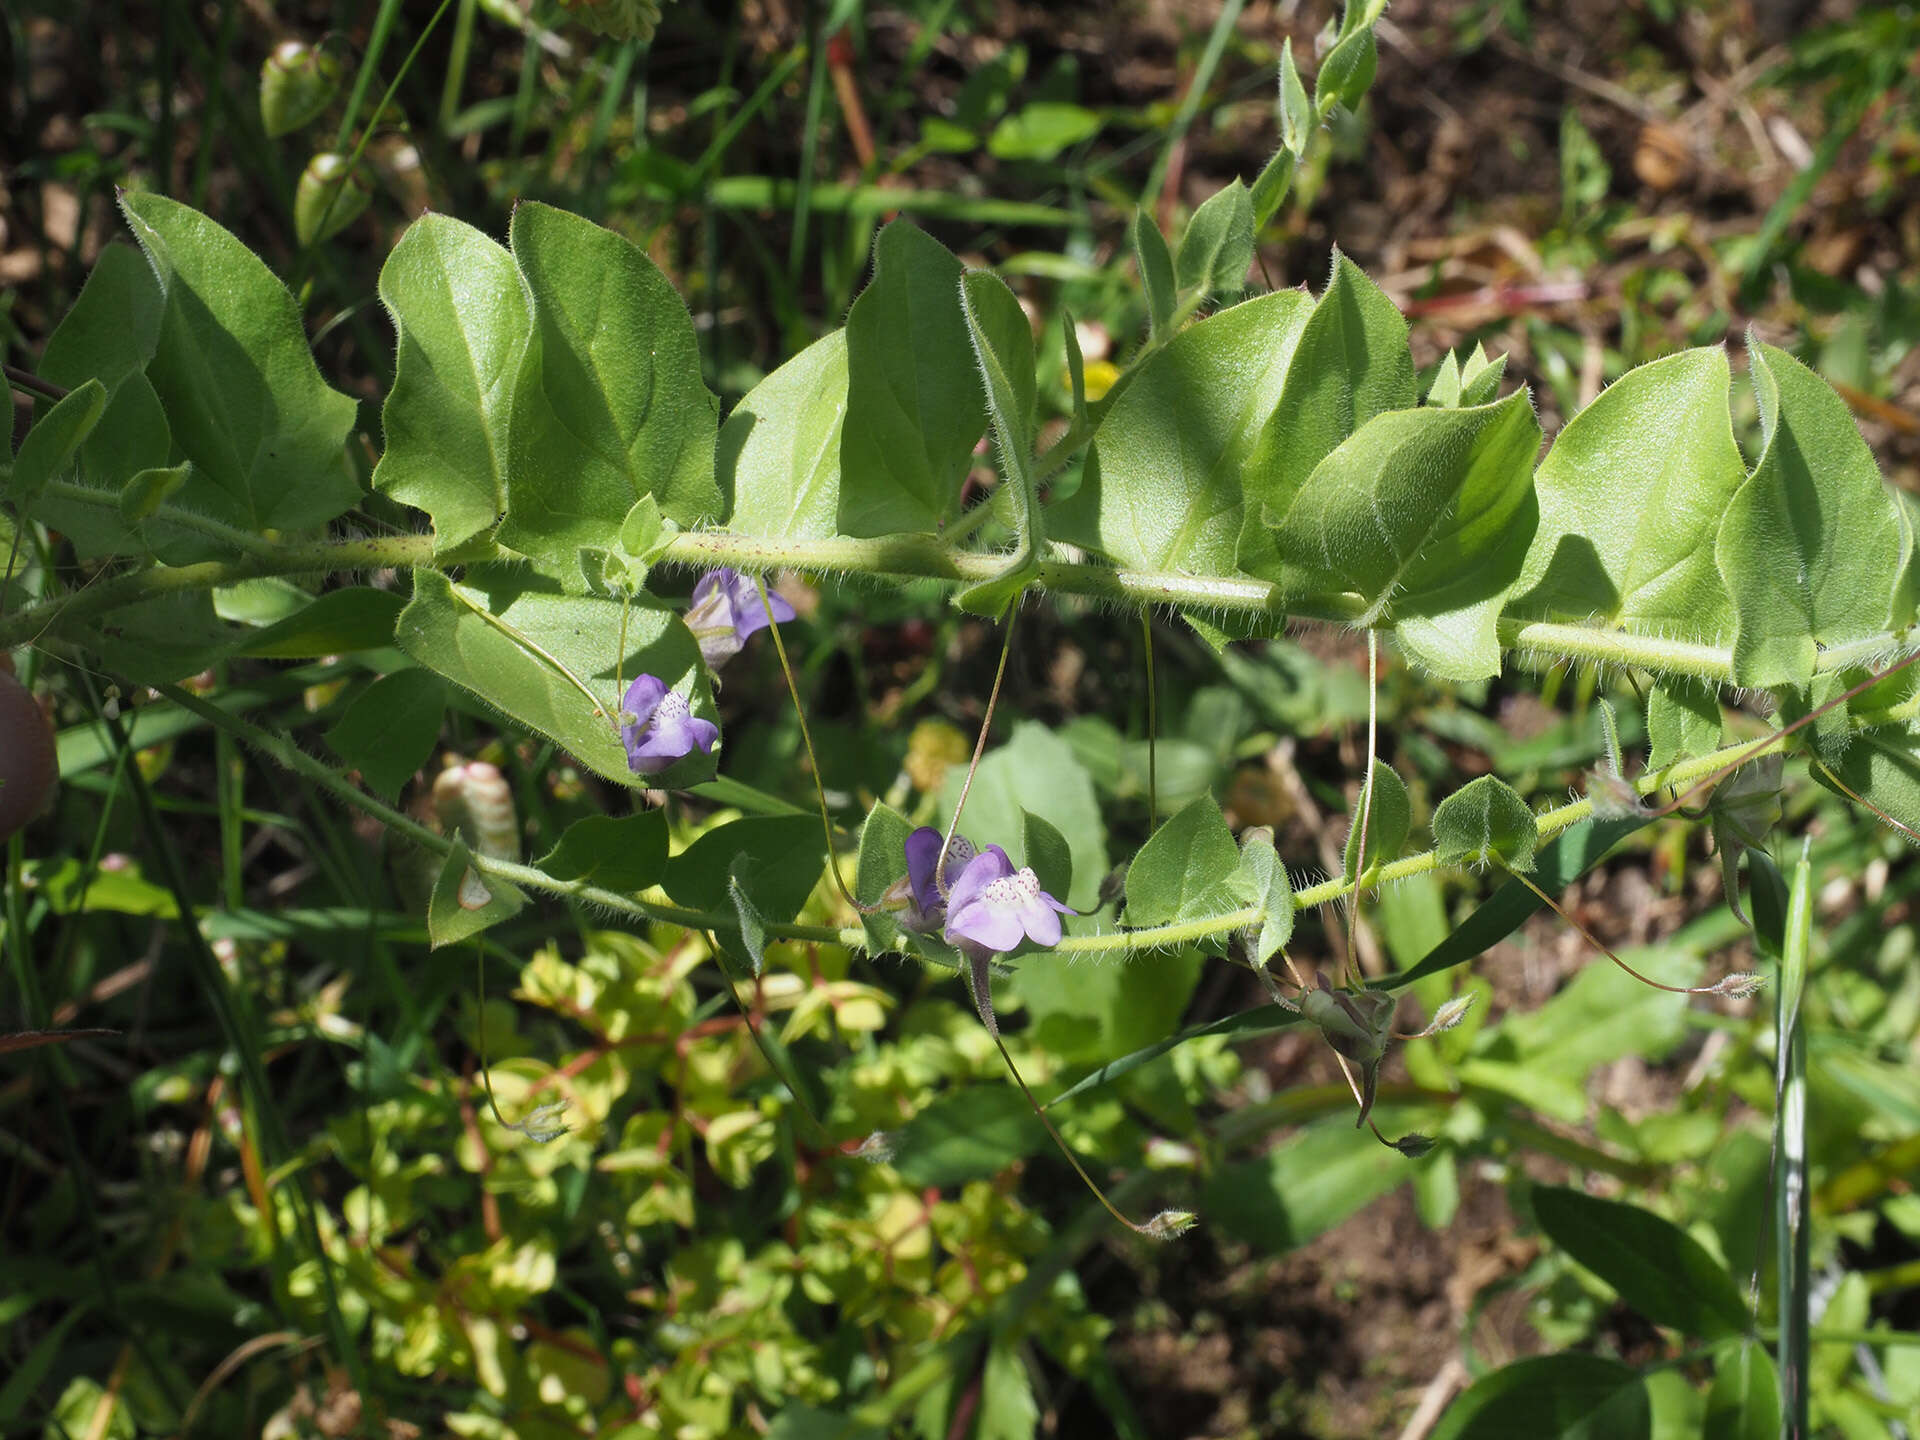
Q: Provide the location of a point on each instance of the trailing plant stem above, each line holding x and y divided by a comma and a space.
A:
902, 557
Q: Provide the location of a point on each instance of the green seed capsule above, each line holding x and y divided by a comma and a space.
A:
314, 201
296, 82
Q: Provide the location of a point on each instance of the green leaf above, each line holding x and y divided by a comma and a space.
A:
1040, 131
1351, 363
242, 394
1262, 880
1047, 853
882, 860
615, 852
1347, 72
464, 902
967, 1134
109, 335
1480, 377
743, 882
1261, 1020
1811, 546
779, 452
1156, 271
1474, 381
1485, 820
1602, 1015
462, 321
354, 617
1217, 247
915, 406
1389, 816
165, 638
389, 732
488, 637
1744, 1403
1076, 366
1271, 185
1552, 1397
1035, 772
1425, 514
1183, 870
1565, 859
608, 405
1631, 496
50, 445
1683, 720
1296, 113
113, 328
786, 852
1002, 342
1008, 1410
1882, 767
1161, 487
1445, 390
149, 489
1302, 1189
1656, 1267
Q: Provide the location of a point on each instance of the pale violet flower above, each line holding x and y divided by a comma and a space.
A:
726, 609
992, 907
658, 729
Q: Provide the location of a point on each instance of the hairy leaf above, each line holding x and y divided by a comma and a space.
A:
243, 397
1156, 271
1002, 343
1261, 879
609, 405
615, 852
520, 645
464, 902
1631, 496
389, 732
1183, 870
1812, 547
1485, 820
1425, 514
779, 452
1349, 364
1217, 247
1161, 485
1683, 720
915, 406
1389, 816
462, 320
109, 335
787, 853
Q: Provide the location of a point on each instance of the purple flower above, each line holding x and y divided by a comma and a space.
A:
992, 906
726, 609
657, 728
926, 903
